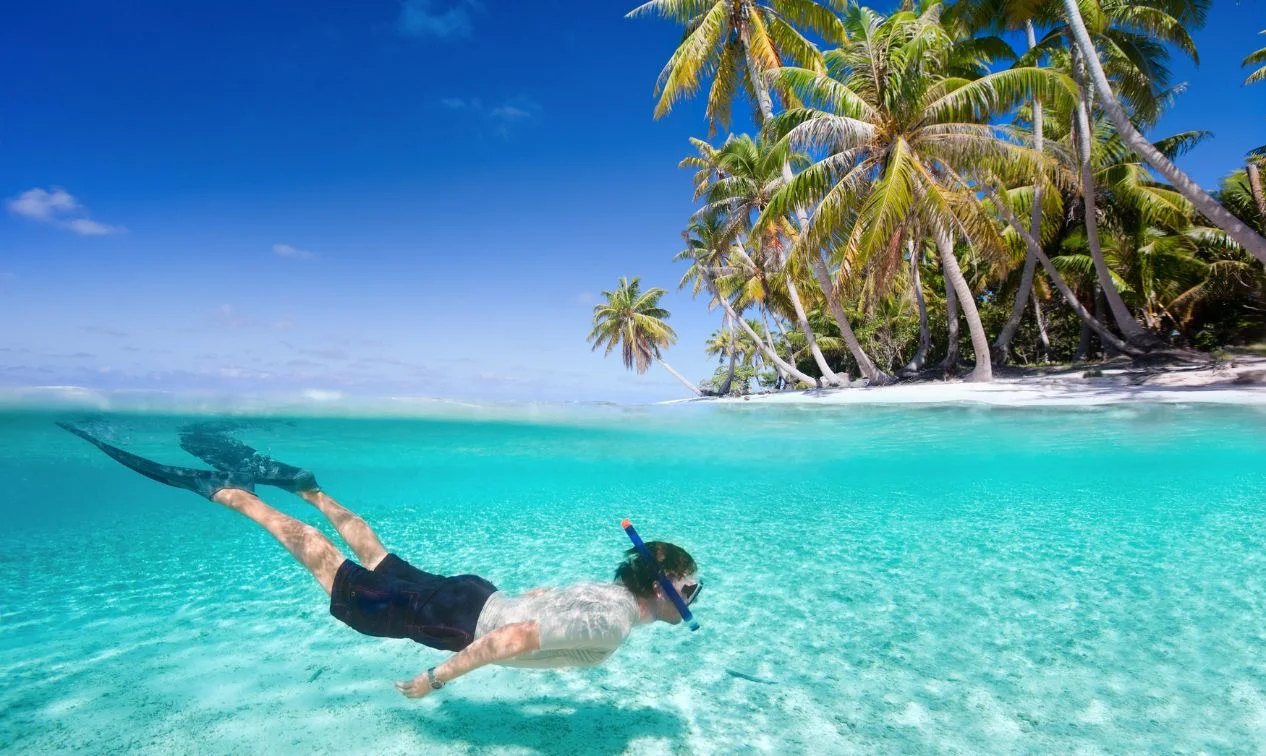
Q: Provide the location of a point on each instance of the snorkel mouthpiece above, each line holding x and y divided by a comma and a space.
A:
664, 582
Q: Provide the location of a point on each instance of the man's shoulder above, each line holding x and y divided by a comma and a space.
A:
604, 594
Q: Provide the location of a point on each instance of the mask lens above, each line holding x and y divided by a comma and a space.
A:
691, 592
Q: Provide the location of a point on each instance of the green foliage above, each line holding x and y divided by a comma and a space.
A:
744, 375
892, 135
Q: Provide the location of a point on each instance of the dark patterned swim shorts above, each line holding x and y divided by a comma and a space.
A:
397, 600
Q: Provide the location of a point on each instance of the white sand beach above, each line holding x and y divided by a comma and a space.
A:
1239, 381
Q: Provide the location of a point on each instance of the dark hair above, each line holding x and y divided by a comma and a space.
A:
636, 574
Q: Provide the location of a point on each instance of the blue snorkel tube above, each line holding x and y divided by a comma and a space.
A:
664, 582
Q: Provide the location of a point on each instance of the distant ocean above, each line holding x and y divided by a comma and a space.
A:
879, 580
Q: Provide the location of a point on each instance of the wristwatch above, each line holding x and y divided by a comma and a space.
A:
435, 683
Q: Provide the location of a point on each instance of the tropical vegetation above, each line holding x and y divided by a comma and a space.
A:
919, 198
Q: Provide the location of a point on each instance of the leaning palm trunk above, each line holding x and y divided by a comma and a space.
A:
769, 341
1035, 248
1130, 328
925, 334
1003, 343
828, 375
1209, 207
983, 371
864, 363
867, 366
786, 340
729, 376
681, 378
770, 354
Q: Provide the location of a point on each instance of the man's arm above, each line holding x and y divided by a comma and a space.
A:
503, 643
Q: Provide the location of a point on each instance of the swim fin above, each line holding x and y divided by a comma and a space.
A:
210, 443
202, 482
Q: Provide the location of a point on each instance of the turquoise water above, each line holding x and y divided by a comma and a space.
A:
879, 580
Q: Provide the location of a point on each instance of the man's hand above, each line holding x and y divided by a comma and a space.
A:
503, 643
537, 592
418, 687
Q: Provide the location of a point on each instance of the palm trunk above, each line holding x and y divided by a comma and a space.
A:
1209, 207
983, 372
786, 339
729, 376
681, 378
770, 354
1130, 327
766, 105
925, 334
950, 364
1083, 343
1255, 186
1003, 343
1034, 248
769, 337
1041, 327
1101, 314
828, 376
867, 366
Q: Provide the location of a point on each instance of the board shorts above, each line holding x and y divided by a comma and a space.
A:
397, 600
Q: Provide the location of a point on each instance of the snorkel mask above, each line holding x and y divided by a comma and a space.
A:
669, 590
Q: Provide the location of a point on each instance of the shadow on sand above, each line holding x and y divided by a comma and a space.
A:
550, 725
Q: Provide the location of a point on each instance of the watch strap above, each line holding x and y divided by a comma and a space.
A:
430, 677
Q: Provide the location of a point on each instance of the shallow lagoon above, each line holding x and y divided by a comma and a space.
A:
937, 579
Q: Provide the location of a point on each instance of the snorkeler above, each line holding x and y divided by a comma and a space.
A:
383, 595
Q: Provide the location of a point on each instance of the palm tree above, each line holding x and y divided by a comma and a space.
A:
737, 42
902, 139
1193, 12
721, 344
704, 251
1003, 342
751, 171
1238, 195
633, 320
741, 41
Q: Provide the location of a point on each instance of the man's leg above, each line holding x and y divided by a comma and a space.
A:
305, 542
213, 445
355, 531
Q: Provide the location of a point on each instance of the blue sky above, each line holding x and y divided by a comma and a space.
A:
379, 197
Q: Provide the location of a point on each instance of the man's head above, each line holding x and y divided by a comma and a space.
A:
638, 575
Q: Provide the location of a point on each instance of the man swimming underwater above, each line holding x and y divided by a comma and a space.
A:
383, 595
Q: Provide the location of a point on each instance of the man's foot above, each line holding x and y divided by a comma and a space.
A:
214, 446
202, 482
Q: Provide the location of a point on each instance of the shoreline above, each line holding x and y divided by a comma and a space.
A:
1241, 381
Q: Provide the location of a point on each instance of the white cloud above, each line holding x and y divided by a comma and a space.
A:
501, 117
39, 204
89, 227
509, 113
436, 18
285, 250
585, 297
60, 208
